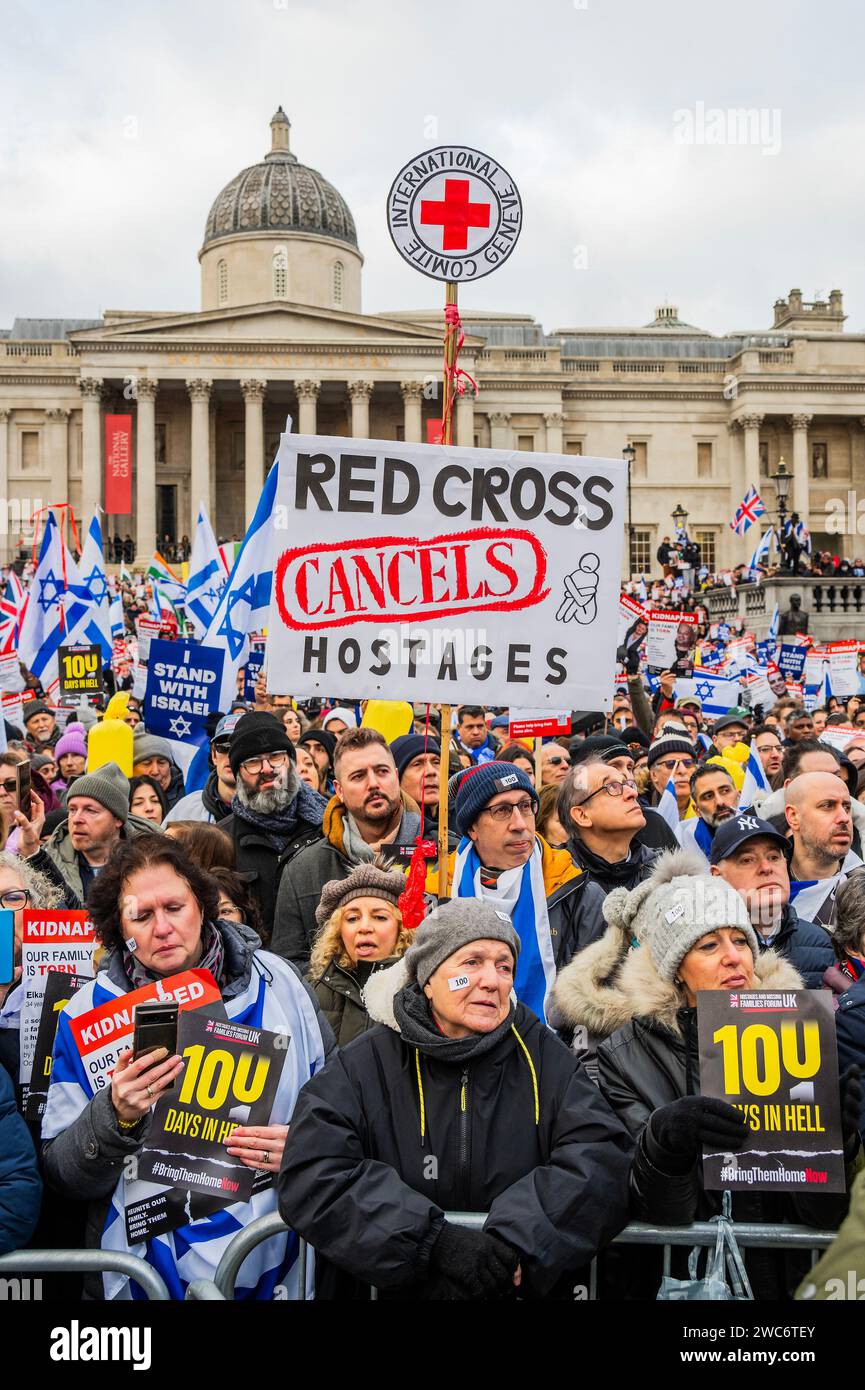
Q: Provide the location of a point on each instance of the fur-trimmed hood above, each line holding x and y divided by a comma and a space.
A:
607, 985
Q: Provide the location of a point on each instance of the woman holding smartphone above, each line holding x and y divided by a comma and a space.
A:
155, 913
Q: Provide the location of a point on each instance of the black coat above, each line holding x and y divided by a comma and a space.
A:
850, 1032
806, 946
262, 864
627, 873
360, 1182
576, 913
656, 833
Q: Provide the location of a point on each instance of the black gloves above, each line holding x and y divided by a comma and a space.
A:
479, 1265
675, 1134
632, 660
851, 1109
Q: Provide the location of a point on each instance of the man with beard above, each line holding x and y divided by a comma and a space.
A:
365, 813
213, 802
715, 799
273, 814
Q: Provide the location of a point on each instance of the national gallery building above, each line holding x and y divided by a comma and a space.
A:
281, 331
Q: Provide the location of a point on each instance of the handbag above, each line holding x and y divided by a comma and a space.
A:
725, 1260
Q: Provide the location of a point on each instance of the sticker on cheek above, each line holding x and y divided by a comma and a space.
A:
459, 982
131, 944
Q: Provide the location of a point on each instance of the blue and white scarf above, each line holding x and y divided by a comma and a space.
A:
274, 999
522, 895
695, 833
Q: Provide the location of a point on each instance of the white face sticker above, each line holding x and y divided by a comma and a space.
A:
131, 944
459, 982
675, 913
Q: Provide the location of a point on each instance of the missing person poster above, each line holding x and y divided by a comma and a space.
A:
59, 989
51, 940
671, 641
230, 1078
414, 571
772, 1054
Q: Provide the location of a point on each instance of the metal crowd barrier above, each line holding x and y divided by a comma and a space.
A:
749, 1234
87, 1262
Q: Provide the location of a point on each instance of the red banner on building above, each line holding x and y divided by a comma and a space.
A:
118, 465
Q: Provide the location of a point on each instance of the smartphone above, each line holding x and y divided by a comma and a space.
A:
155, 1025
22, 773
7, 946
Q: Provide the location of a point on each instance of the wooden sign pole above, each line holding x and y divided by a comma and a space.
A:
445, 739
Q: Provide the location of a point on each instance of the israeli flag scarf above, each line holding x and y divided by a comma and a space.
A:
522, 895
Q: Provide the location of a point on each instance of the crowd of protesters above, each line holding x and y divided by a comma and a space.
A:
523, 1045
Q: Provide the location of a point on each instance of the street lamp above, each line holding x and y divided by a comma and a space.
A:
680, 516
629, 453
782, 480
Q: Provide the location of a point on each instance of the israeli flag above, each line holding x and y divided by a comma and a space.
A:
207, 577
245, 602
716, 693
94, 580
668, 806
826, 691
761, 551
57, 614
772, 634
756, 783
118, 624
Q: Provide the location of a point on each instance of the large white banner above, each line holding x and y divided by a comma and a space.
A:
418, 572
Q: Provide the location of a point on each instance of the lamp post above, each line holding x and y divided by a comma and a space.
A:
782, 480
680, 516
629, 453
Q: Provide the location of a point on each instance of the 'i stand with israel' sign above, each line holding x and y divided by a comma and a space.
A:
183, 684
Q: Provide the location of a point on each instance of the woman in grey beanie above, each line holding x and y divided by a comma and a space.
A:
360, 932
462, 1100
679, 932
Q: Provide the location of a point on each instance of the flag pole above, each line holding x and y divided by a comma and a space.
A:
450, 344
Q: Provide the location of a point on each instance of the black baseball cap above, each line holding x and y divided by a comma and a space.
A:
737, 829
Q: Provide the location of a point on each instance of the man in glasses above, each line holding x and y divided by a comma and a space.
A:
501, 858
213, 802
672, 758
365, 816
598, 806
273, 814
555, 762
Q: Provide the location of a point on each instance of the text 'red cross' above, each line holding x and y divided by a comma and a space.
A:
456, 214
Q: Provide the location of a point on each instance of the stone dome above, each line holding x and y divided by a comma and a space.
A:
280, 196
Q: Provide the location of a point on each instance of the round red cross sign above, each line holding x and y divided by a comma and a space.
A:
454, 213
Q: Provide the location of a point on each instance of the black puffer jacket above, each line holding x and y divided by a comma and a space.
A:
627, 873
261, 863
367, 1174
850, 1032
576, 917
806, 946
650, 1058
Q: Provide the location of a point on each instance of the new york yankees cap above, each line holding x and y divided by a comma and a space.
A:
737, 829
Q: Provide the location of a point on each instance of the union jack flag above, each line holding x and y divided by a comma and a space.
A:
748, 511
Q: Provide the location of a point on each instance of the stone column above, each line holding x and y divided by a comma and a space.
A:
466, 419
360, 392
751, 425
500, 431
145, 468
728, 553
91, 445
554, 424
58, 456
412, 396
307, 398
253, 389
199, 451
8, 532
800, 425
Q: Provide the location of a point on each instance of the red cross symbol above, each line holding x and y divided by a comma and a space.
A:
456, 214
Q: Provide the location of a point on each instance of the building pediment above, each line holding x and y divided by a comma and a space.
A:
275, 322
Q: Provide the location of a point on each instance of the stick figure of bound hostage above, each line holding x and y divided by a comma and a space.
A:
580, 603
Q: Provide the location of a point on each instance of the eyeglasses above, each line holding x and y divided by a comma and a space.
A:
9, 786
670, 764
556, 761
14, 898
221, 745
505, 811
612, 789
253, 765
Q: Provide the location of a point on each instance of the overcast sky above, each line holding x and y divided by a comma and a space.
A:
121, 123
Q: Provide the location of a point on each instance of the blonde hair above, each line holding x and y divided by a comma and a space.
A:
329, 945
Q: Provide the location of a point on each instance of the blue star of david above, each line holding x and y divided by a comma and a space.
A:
234, 636
50, 581
96, 582
704, 690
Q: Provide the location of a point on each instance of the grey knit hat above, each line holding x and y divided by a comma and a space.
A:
452, 925
677, 905
366, 881
146, 745
107, 785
